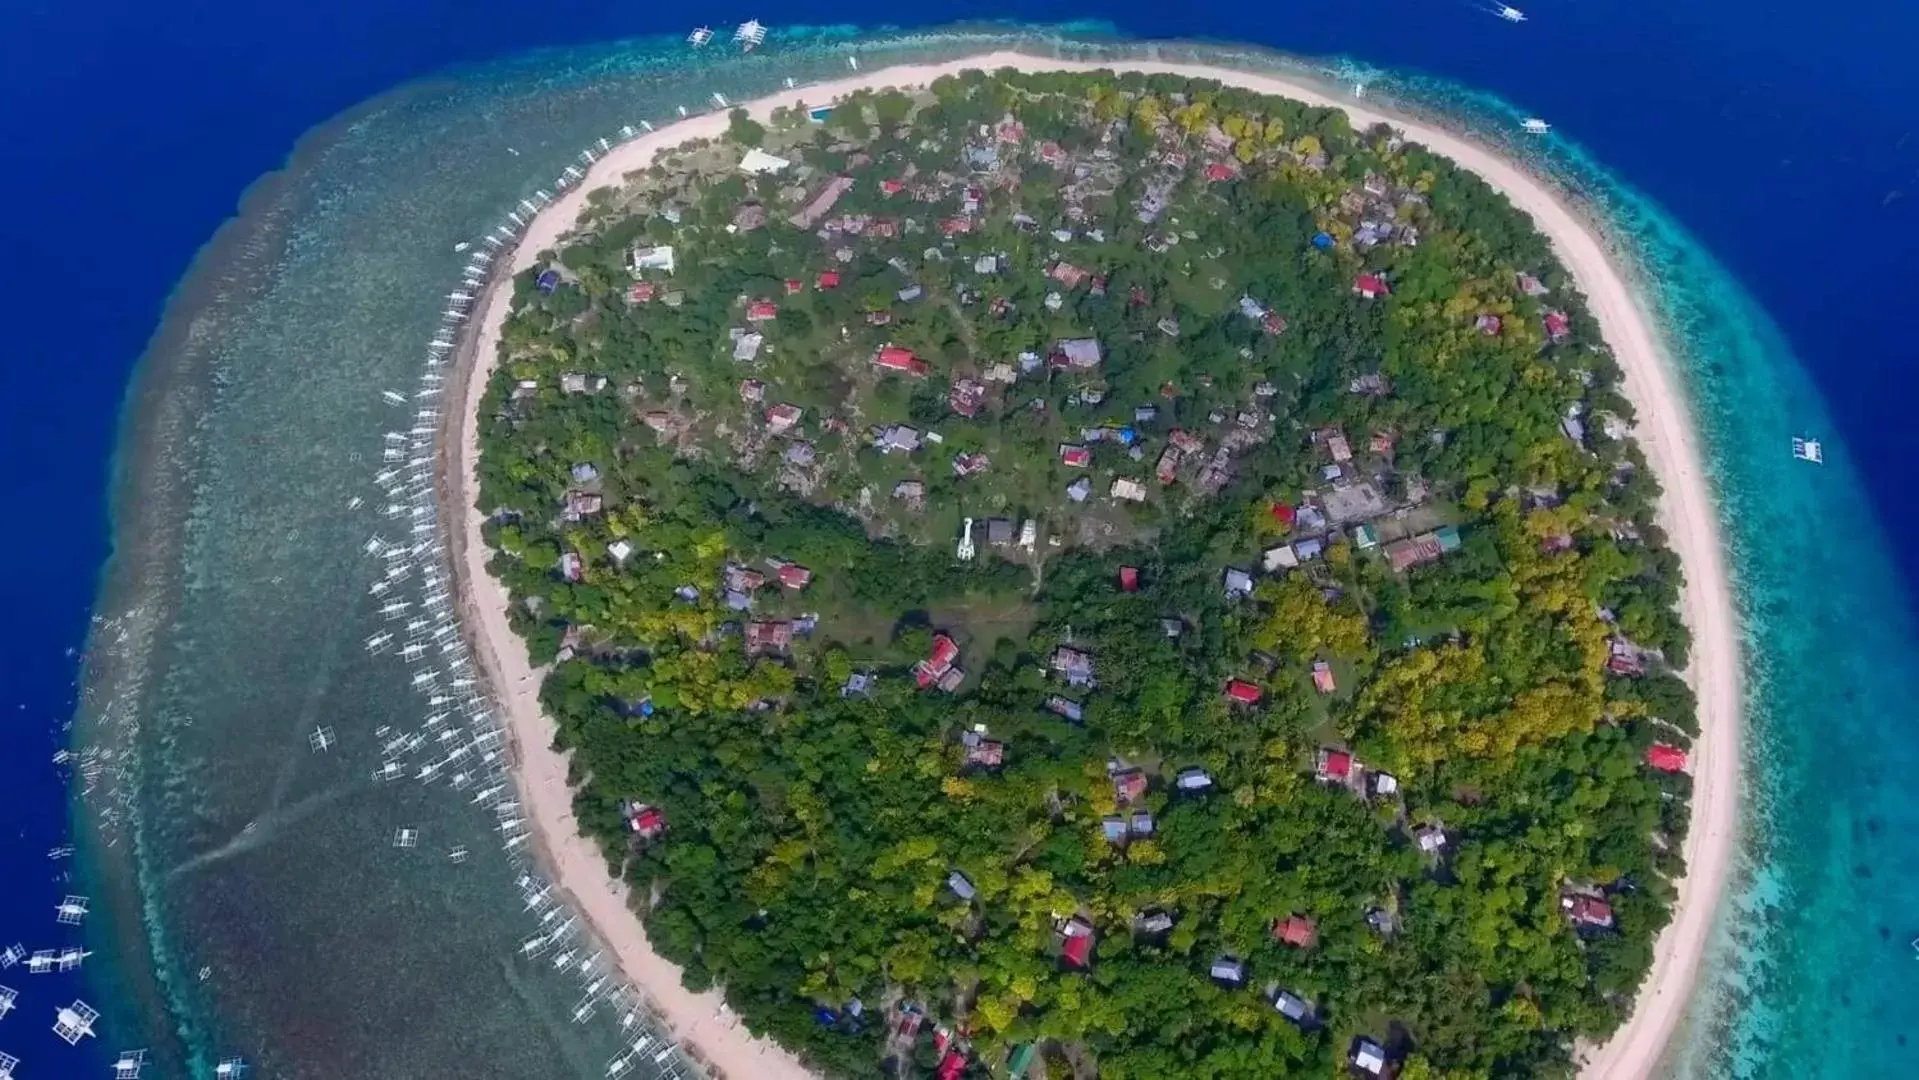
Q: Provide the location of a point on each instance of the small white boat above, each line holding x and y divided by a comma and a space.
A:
1808, 450
1533, 125
699, 37
1510, 14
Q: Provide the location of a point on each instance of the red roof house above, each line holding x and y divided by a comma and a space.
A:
1284, 514
1371, 286
1219, 170
795, 576
829, 279
952, 1066
1129, 786
1129, 579
641, 292
1076, 943
648, 821
1666, 758
1076, 456
1297, 931
1587, 910
1558, 326
1335, 765
761, 310
794, 285
892, 187
894, 358
937, 663
1243, 692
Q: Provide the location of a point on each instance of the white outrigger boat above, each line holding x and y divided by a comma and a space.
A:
699, 37
1808, 450
1533, 125
749, 35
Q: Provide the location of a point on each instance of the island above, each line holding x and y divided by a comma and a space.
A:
1072, 572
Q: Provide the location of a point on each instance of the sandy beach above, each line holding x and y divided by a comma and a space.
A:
1664, 431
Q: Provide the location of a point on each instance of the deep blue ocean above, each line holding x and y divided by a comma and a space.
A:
1760, 161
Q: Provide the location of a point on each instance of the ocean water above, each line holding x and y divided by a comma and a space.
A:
230, 624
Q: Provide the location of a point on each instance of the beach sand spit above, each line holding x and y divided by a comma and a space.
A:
1664, 431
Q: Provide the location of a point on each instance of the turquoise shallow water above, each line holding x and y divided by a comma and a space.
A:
238, 609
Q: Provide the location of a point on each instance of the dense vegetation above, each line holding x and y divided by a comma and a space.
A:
796, 827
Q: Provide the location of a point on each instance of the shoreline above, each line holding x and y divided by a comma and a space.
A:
1663, 431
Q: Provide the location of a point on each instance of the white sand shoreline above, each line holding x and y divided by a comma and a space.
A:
1664, 431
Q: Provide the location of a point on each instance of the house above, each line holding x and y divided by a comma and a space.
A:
1384, 785
648, 821
983, 752
1219, 171
1625, 658
1275, 559
1367, 1056
1297, 931
858, 684
938, 664
822, 203
642, 259
1167, 470
1292, 1006
1365, 537
1065, 707
1371, 286
572, 568
1076, 942
1323, 677
581, 503
752, 390
1558, 326
1587, 911
910, 294
999, 531
827, 279
783, 417
1153, 923
768, 636
966, 397
794, 285
1431, 838
910, 492
1114, 829
747, 346
952, 1066
1228, 971
641, 292
548, 281
1531, 285
1079, 489
1128, 490
1193, 780
1073, 665
1141, 823
1129, 579
1080, 352
1239, 583
892, 187
1129, 785
621, 550
794, 576
1488, 325
661, 421
761, 310
1422, 549
1333, 766
894, 358
961, 887
898, 438
1067, 274
1337, 446
759, 161
1666, 758
1241, 692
